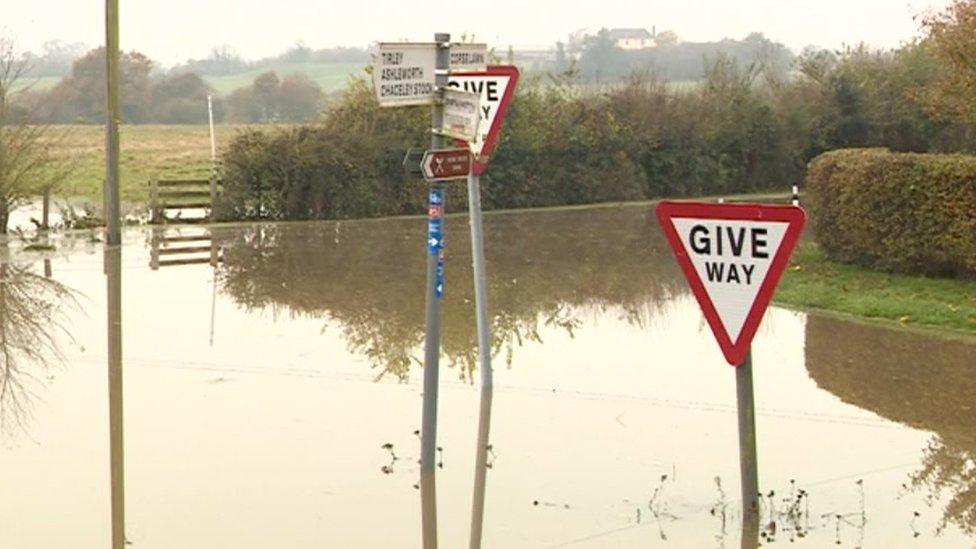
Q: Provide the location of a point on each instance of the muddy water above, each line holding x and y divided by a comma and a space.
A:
259, 397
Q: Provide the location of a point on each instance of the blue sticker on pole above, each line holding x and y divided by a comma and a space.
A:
439, 279
435, 221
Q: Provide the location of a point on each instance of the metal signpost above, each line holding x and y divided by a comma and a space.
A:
496, 86
471, 111
733, 256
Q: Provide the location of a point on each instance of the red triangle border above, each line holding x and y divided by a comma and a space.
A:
735, 352
512, 73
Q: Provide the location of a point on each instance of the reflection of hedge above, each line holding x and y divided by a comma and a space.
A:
911, 213
369, 276
922, 381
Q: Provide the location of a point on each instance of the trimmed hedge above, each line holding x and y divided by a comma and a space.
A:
908, 213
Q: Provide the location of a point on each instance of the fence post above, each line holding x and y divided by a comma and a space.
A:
154, 212
213, 195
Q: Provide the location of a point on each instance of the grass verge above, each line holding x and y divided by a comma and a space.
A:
814, 282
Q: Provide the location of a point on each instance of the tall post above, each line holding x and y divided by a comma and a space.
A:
432, 340
213, 138
748, 457
113, 272
484, 359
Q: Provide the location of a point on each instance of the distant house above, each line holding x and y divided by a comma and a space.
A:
632, 39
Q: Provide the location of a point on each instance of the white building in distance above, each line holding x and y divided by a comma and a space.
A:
633, 39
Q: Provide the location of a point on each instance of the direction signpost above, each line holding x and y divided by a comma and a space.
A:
469, 101
733, 256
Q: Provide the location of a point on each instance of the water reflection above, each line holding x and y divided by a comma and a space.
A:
544, 270
33, 315
921, 381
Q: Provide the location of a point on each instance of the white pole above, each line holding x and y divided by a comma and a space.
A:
213, 138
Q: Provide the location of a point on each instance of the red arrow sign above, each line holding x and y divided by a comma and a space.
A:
443, 164
496, 86
733, 256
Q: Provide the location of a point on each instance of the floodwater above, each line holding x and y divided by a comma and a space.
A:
274, 401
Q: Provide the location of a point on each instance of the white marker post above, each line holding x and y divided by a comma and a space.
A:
733, 256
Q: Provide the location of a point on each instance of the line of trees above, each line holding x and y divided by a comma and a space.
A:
177, 97
743, 128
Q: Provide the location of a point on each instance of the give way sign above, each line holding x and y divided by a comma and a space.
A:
496, 85
733, 256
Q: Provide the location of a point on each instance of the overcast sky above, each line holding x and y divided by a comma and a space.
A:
171, 31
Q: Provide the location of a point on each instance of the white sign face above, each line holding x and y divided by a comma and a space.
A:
469, 57
462, 114
732, 259
404, 74
492, 90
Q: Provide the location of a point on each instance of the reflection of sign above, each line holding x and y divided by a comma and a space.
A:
443, 164
403, 73
733, 256
462, 114
496, 86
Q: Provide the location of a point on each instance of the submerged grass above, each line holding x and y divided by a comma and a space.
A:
814, 282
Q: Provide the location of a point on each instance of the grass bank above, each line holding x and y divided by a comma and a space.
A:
815, 283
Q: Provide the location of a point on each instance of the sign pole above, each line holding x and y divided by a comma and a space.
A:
432, 339
484, 359
113, 272
748, 460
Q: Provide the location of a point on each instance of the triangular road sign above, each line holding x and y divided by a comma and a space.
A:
496, 85
733, 256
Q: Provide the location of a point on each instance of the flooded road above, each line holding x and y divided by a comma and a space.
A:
274, 401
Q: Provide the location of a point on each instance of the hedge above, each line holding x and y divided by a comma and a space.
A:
907, 213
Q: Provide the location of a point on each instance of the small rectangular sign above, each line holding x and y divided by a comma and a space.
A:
403, 74
444, 164
469, 57
462, 114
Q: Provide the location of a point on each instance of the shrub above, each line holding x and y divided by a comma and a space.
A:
909, 213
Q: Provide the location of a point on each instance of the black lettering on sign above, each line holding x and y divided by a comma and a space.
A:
492, 91
729, 273
758, 243
749, 242
699, 240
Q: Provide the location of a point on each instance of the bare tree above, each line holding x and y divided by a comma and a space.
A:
32, 319
29, 159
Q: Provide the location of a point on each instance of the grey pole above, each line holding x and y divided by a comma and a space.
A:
113, 272
748, 460
432, 339
484, 359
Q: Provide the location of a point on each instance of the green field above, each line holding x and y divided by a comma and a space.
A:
165, 152
329, 76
